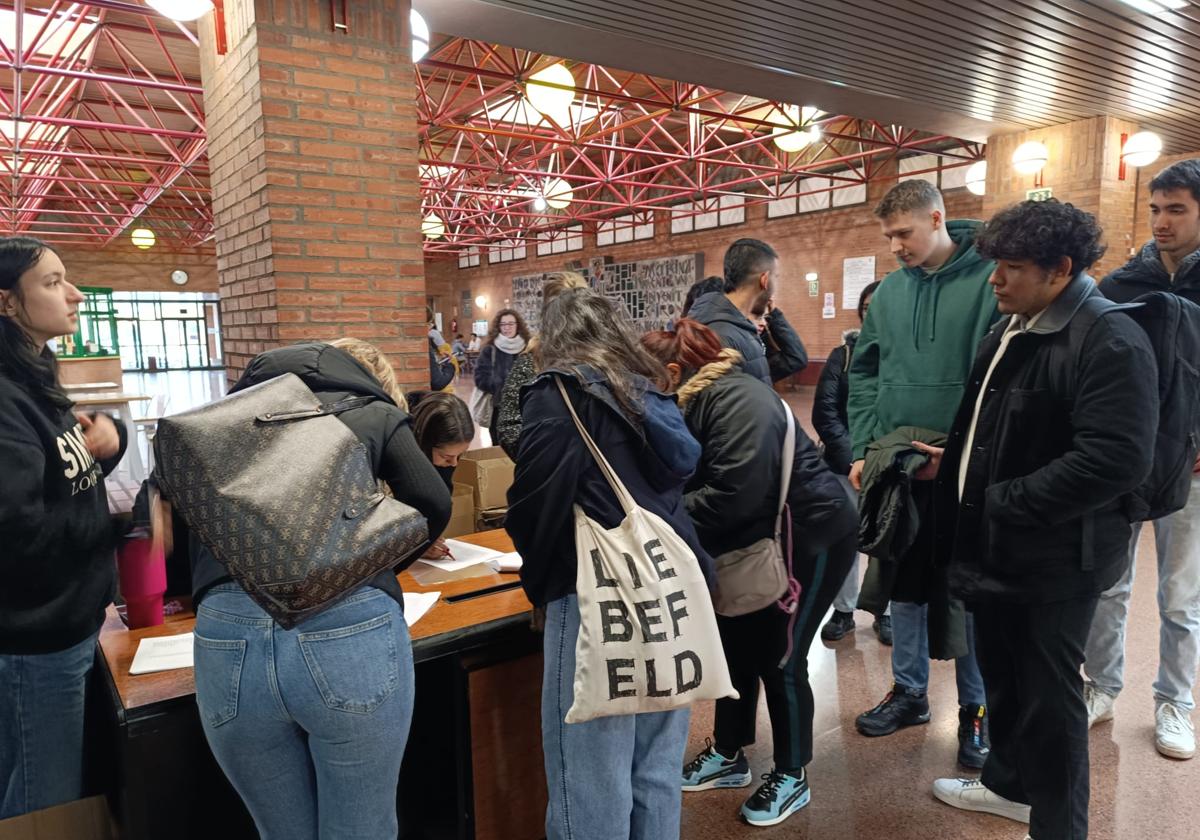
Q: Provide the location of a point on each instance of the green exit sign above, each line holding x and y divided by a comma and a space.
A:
1039, 194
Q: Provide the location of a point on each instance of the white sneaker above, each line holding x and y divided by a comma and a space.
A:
971, 795
1099, 704
1174, 735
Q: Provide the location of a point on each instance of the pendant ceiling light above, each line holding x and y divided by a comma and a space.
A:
792, 136
432, 226
976, 177
558, 193
143, 238
551, 91
182, 10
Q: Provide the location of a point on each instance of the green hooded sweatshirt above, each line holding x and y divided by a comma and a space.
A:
917, 346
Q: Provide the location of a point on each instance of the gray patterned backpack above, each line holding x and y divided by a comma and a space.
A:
283, 494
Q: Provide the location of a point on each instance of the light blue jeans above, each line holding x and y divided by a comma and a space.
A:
1177, 540
910, 654
41, 727
612, 778
309, 724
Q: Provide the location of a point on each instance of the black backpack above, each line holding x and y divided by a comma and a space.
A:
1172, 324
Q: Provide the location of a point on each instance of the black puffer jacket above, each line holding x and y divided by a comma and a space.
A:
1146, 273
784, 353
829, 405
383, 428
734, 495
1058, 442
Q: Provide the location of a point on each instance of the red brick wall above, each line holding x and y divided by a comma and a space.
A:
125, 268
808, 242
318, 226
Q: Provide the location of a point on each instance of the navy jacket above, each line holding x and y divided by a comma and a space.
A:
784, 353
492, 369
653, 453
1146, 273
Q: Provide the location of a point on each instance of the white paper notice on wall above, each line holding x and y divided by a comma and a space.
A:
829, 310
857, 274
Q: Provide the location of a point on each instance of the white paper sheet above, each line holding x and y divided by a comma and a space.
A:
462, 555
510, 562
416, 604
162, 653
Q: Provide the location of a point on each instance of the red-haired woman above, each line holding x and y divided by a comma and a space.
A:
733, 498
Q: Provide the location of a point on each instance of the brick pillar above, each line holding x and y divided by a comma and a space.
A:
1083, 169
312, 144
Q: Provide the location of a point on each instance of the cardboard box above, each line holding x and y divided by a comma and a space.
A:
489, 473
462, 512
84, 819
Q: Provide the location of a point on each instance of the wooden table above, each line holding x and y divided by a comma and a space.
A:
121, 402
478, 663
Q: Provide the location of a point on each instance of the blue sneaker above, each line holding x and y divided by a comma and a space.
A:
777, 798
710, 769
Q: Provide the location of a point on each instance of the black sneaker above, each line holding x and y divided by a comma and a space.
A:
710, 769
973, 741
839, 624
883, 629
901, 707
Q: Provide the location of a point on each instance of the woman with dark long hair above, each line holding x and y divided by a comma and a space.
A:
505, 342
444, 429
733, 500
56, 578
611, 778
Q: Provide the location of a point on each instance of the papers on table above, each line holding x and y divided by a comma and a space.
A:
162, 653
416, 604
464, 555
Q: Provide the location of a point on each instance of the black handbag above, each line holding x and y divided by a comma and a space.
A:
283, 494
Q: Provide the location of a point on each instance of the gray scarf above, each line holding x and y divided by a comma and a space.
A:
511, 346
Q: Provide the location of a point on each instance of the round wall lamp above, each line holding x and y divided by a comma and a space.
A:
481, 301
976, 178
1141, 149
1029, 158
143, 238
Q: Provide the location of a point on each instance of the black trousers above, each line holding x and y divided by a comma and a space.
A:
754, 645
1029, 657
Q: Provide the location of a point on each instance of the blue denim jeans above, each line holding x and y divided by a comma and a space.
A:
41, 727
910, 654
611, 778
309, 724
1177, 545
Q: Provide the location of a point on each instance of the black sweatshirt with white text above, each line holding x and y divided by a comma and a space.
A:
56, 534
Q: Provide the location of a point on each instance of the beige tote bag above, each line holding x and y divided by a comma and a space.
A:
648, 639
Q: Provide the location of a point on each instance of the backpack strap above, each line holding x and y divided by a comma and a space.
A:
321, 410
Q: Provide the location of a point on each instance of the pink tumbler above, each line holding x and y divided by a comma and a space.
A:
143, 572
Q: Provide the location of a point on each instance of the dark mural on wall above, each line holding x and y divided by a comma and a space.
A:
650, 291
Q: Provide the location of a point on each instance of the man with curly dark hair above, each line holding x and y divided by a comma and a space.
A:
1057, 424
